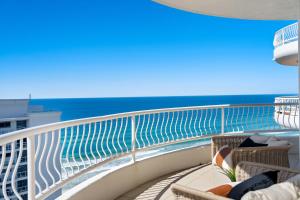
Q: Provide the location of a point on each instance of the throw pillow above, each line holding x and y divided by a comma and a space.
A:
223, 158
250, 143
257, 182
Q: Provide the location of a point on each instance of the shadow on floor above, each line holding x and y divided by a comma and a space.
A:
153, 190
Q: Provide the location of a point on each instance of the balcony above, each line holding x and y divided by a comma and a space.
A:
286, 45
116, 156
287, 112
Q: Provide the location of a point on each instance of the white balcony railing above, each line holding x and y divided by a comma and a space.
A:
287, 99
289, 105
59, 153
286, 35
287, 114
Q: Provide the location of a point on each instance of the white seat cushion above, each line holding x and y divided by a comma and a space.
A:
288, 190
278, 143
271, 141
273, 138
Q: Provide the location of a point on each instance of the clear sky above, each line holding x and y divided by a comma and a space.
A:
111, 48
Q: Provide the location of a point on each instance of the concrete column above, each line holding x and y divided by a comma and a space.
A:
298, 63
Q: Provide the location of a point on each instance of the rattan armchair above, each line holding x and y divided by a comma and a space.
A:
277, 156
243, 171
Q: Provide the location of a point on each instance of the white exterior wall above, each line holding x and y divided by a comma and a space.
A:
287, 54
13, 108
40, 118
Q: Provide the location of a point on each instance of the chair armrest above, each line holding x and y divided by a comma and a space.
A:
267, 155
245, 170
233, 141
183, 192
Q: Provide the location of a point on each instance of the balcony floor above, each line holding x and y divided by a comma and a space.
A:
201, 177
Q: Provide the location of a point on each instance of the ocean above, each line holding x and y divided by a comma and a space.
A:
75, 108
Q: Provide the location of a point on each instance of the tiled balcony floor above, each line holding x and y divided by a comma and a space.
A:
200, 177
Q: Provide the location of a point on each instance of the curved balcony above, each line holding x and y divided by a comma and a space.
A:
286, 45
108, 156
287, 112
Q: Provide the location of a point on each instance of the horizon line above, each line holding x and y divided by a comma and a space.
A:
154, 96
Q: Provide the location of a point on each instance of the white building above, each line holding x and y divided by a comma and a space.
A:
16, 115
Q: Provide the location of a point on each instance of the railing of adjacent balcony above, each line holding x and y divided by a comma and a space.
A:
290, 105
61, 152
287, 99
287, 113
286, 35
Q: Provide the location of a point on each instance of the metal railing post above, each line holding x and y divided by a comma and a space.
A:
133, 136
283, 40
31, 167
222, 120
298, 23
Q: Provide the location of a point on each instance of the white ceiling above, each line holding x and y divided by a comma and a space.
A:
242, 9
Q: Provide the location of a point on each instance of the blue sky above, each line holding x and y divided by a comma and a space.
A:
70, 48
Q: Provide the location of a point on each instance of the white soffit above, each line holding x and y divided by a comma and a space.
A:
241, 9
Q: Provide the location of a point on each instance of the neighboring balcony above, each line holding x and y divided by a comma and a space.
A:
286, 45
287, 111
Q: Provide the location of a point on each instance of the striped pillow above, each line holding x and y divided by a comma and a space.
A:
223, 158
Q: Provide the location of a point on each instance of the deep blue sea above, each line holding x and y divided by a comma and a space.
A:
74, 108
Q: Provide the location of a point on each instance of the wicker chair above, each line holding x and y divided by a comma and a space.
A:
268, 155
244, 170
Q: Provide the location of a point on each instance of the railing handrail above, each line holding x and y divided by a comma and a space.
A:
287, 97
13, 136
285, 35
286, 27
